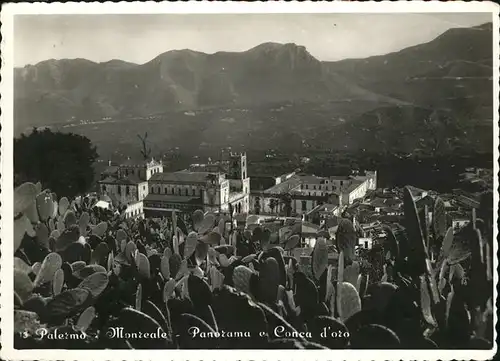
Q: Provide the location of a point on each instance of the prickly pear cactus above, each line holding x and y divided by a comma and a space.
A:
346, 239
349, 302
319, 258
269, 281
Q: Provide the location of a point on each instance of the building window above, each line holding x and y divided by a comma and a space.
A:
187, 190
178, 191
304, 206
119, 190
307, 187
314, 187
104, 188
127, 190
193, 191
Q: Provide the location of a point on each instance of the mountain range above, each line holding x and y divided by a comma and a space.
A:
451, 75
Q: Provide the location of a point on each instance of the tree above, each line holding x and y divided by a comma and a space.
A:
272, 204
286, 200
62, 162
145, 150
257, 205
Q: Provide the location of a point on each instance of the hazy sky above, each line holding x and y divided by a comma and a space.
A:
140, 38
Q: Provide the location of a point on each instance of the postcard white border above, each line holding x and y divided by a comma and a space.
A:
6, 160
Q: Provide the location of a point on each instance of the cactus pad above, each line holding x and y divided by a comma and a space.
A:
319, 258
348, 301
45, 206
22, 284
95, 283
58, 282
100, 229
83, 223
24, 196
85, 319
143, 266
292, 242
88, 270
66, 303
168, 289
50, 265
241, 279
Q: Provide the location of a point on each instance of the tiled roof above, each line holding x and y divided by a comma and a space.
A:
426, 201
321, 208
181, 177
355, 184
284, 187
220, 168
415, 191
131, 179
111, 169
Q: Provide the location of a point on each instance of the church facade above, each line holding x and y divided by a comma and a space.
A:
210, 187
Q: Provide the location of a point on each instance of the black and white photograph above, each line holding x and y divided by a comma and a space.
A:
318, 180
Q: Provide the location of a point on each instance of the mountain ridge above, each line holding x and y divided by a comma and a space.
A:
451, 73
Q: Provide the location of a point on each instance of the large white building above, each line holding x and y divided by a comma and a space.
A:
211, 187
127, 184
146, 189
306, 192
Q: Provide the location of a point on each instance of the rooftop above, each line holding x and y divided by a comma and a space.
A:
261, 183
468, 202
355, 184
323, 208
139, 163
426, 201
415, 192
210, 168
285, 186
314, 179
181, 177
131, 179
111, 170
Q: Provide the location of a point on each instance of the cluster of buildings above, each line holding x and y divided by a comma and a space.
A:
309, 196
315, 204
146, 189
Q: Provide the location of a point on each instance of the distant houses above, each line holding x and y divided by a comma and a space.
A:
305, 195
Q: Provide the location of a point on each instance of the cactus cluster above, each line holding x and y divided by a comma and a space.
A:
88, 271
